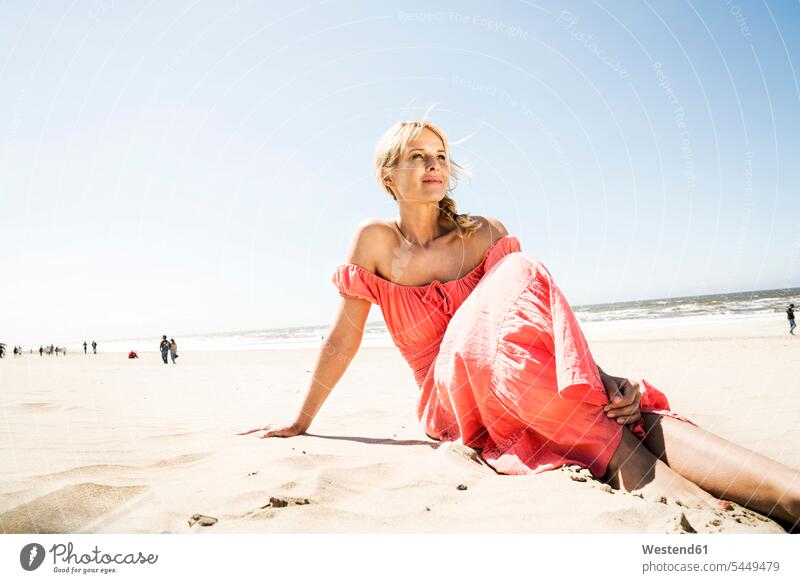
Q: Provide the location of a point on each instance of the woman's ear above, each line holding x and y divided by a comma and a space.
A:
387, 180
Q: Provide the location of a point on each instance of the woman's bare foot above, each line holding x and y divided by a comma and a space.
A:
634, 469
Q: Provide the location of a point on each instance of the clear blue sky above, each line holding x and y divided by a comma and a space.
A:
198, 166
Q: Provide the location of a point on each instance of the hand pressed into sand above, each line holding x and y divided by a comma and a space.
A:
276, 430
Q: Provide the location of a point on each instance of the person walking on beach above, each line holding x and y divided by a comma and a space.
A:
85, 346
164, 348
41, 350
173, 349
94, 347
790, 316
501, 361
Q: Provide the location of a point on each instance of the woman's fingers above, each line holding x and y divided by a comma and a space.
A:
632, 409
625, 411
627, 415
273, 430
630, 393
620, 400
280, 432
269, 431
629, 405
630, 390
629, 419
251, 431
621, 391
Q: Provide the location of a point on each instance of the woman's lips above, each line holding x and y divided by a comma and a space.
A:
433, 181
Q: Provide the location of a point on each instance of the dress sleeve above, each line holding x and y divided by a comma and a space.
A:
352, 282
501, 248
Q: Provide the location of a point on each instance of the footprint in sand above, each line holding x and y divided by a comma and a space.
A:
740, 519
583, 475
202, 520
683, 526
284, 501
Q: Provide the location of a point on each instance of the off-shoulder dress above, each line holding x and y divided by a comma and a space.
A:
502, 363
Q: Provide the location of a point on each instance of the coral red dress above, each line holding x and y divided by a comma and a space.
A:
501, 363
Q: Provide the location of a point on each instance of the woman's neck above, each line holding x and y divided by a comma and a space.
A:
419, 223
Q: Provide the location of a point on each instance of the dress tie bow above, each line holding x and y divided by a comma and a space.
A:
438, 290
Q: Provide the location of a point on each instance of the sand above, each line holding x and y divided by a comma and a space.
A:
103, 444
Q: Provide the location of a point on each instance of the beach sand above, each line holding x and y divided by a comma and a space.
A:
103, 444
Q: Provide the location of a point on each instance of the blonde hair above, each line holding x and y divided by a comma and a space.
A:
387, 155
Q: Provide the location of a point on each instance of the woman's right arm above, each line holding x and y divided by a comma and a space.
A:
334, 357
341, 345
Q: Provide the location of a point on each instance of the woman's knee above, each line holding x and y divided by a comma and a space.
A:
519, 261
510, 276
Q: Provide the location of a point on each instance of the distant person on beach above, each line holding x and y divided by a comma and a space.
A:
85, 346
41, 351
502, 363
164, 348
94, 347
173, 349
132, 354
790, 316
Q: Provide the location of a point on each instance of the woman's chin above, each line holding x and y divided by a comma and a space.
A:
426, 195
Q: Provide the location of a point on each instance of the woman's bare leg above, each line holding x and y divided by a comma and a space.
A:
725, 469
635, 469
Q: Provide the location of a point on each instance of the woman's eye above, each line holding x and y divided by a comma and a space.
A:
441, 156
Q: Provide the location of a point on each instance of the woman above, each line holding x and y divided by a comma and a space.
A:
500, 359
173, 349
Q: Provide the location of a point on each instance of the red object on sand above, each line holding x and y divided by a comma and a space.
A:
502, 363
132, 354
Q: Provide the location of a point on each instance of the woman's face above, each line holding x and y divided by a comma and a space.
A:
422, 172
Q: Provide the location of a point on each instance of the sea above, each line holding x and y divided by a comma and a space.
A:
727, 306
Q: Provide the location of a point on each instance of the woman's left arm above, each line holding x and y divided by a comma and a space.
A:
623, 396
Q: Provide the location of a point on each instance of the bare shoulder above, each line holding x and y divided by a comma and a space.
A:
491, 228
372, 236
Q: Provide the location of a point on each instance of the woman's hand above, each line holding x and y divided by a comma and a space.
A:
624, 398
276, 430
